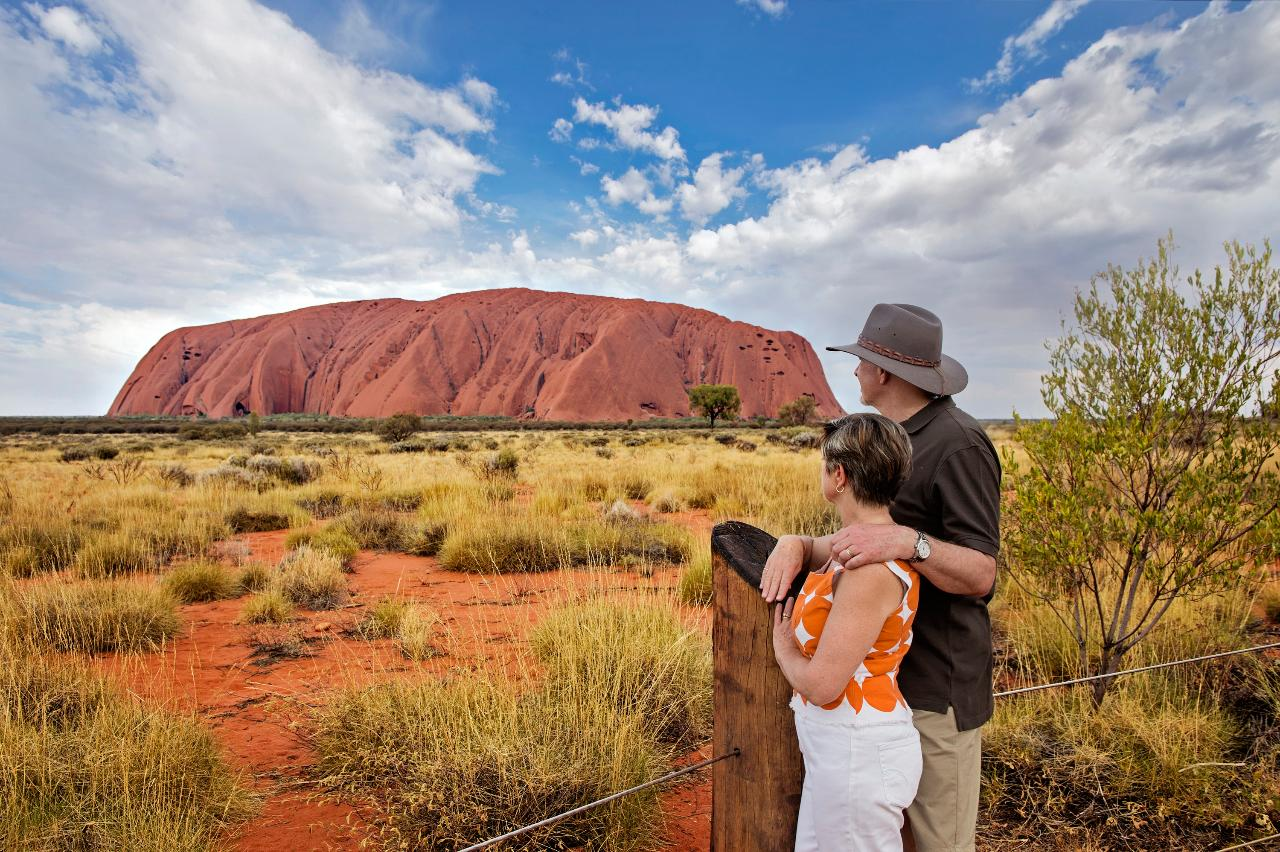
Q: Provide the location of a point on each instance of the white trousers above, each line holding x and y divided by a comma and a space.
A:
859, 775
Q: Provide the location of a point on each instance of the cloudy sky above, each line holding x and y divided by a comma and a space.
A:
785, 163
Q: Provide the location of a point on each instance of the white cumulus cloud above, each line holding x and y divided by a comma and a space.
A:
713, 189
629, 124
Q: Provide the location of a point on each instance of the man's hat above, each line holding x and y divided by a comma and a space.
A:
907, 341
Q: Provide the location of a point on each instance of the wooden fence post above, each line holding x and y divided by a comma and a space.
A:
755, 797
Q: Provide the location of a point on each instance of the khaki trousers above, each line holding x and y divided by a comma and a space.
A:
944, 815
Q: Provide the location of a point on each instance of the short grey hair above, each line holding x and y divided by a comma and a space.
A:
875, 453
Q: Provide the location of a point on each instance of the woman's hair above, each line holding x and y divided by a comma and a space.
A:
874, 451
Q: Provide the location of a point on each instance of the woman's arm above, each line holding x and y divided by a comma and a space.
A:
863, 600
789, 556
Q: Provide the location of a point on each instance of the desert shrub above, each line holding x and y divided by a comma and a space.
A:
84, 767
744, 446
374, 529
407, 447
291, 471
75, 453
243, 520
104, 452
174, 475
182, 534
635, 656
254, 577
94, 615
604, 452
505, 462
621, 512
332, 538
398, 427
312, 578
269, 606
199, 581
804, 441
38, 543
114, 555
695, 581
229, 476
726, 438
323, 504
595, 488
458, 762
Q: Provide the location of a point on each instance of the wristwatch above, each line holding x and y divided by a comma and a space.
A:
923, 549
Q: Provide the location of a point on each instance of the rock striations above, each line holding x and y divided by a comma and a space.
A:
516, 352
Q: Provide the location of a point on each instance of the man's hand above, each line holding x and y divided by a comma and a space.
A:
868, 544
784, 563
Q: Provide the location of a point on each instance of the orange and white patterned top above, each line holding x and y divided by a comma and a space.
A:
874, 688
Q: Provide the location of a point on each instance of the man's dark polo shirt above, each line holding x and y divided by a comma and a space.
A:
953, 495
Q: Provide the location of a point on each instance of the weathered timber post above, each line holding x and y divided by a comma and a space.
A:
755, 797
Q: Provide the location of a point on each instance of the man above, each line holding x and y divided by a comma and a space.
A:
947, 524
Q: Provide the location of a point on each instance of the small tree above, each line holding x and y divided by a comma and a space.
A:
798, 412
253, 423
712, 401
1151, 482
398, 427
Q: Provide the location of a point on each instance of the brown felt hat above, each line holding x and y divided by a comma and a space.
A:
906, 341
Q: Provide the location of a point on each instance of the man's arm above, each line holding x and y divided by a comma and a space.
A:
952, 568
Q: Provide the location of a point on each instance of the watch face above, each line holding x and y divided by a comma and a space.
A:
922, 548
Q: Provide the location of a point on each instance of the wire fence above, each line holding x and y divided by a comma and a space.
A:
671, 776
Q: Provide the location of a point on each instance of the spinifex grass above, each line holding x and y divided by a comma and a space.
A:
82, 766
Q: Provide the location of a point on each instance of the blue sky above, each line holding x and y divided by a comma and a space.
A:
178, 162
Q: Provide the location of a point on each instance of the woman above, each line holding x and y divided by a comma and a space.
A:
839, 645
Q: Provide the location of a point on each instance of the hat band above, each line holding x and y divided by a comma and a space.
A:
896, 355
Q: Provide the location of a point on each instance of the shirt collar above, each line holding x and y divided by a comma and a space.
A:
924, 416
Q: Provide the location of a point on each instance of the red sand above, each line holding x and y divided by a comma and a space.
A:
257, 708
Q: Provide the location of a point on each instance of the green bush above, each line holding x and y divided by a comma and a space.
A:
398, 427
332, 538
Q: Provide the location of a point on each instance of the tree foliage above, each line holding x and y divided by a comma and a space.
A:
715, 401
1154, 480
398, 427
798, 412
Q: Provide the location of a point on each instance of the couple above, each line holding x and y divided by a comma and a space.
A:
912, 569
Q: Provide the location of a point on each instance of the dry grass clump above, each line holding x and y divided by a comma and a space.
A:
636, 657
269, 606
278, 642
312, 579
455, 763
196, 582
39, 541
520, 542
91, 615
254, 577
333, 538
406, 622
695, 581
114, 555
243, 520
374, 529
84, 767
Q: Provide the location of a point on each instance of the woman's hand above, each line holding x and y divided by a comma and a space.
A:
785, 562
784, 634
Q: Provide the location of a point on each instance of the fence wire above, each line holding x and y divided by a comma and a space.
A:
670, 776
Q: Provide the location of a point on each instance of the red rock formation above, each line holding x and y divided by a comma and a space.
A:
517, 352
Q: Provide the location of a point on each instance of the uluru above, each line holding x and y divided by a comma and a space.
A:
514, 352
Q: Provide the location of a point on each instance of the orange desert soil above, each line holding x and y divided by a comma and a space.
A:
257, 708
